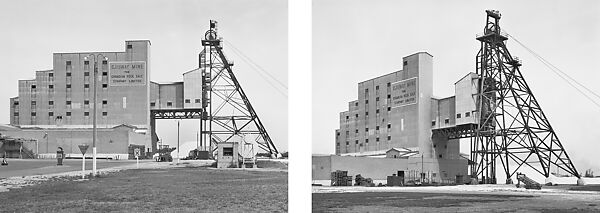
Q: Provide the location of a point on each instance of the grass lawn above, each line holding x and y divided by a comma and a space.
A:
156, 190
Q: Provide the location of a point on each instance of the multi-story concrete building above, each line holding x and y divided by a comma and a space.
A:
394, 117
56, 107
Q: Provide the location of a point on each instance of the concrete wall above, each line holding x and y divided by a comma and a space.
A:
380, 168
171, 93
227, 161
110, 142
67, 91
192, 89
466, 94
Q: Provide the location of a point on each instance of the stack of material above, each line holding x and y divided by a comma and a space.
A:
341, 178
361, 181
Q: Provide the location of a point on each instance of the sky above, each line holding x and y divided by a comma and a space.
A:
34, 29
354, 41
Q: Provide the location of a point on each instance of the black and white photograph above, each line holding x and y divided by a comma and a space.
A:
144, 106
455, 106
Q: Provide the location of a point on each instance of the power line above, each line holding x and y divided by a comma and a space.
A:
255, 64
559, 72
235, 51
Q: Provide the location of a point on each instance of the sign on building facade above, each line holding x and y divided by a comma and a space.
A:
127, 73
404, 92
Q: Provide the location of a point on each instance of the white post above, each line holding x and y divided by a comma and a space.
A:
83, 167
137, 161
94, 162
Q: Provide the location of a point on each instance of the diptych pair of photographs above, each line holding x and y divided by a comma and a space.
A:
185, 106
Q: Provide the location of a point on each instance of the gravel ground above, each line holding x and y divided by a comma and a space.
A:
463, 198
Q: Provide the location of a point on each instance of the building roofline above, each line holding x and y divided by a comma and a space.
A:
468, 74
191, 71
420, 52
170, 83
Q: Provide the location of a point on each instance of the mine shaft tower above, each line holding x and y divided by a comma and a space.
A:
512, 127
227, 114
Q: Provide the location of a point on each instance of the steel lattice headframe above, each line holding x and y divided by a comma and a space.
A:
512, 127
228, 115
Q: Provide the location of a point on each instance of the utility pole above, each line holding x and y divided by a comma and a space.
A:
178, 141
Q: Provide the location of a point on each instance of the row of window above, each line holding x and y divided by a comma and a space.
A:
68, 86
67, 113
153, 104
85, 102
447, 120
187, 101
389, 138
68, 63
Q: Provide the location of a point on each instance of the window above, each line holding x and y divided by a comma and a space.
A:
366, 140
169, 103
405, 63
68, 113
86, 113
86, 74
104, 73
366, 101
458, 115
16, 114
389, 126
51, 86
377, 111
440, 156
432, 123
104, 113
356, 104
389, 84
32, 86
152, 104
367, 113
347, 117
389, 96
104, 62
337, 133
68, 74
68, 63
227, 151
377, 87
356, 115
16, 103
389, 109
86, 62
104, 102
347, 143
356, 141
68, 86
356, 131
389, 137
467, 114
86, 86
337, 144
377, 128
129, 46
33, 103
51, 75
33, 113
377, 139
50, 102
447, 121
366, 130
187, 101
104, 85
434, 146
68, 102
197, 100
50, 113
377, 99
86, 102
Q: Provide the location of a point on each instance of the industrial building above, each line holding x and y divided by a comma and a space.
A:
55, 109
388, 130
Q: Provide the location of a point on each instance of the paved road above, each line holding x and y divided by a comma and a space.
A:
27, 167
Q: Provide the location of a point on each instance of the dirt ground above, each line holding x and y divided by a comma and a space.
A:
174, 189
454, 199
